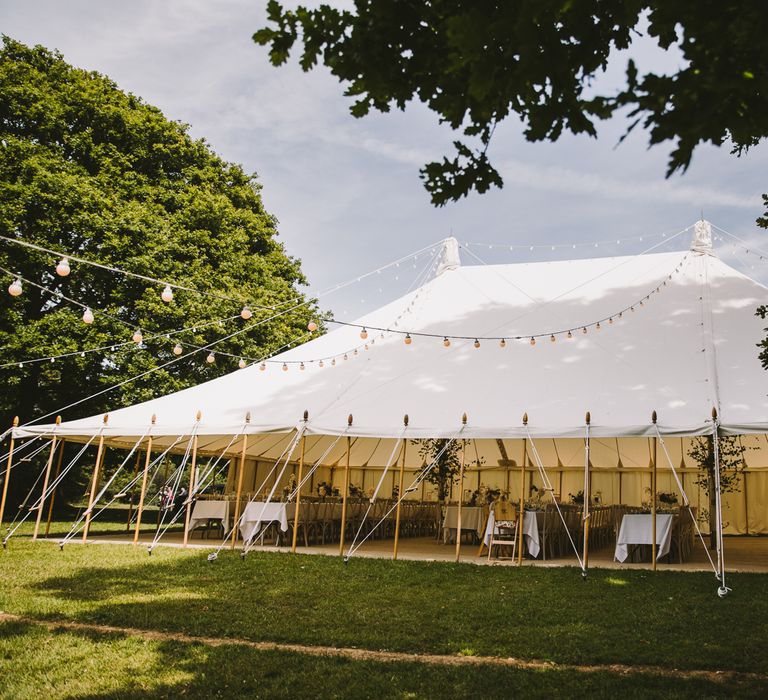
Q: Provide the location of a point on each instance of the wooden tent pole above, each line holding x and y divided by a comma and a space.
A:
298, 487
653, 497
95, 482
53, 491
143, 492
345, 496
192, 484
587, 494
400, 492
130, 501
521, 514
461, 492
46, 478
8, 470
239, 491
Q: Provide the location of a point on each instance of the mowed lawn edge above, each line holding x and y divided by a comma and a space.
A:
672, 619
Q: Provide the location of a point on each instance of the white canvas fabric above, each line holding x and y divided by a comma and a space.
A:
687, 349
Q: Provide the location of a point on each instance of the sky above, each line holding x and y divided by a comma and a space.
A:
347, 192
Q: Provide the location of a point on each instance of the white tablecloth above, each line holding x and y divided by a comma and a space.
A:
205, 510
257, 513
637, 528
472, 518
530, 532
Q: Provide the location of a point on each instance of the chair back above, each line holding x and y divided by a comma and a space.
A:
504, 511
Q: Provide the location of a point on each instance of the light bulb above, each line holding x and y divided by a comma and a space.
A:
533, 340
301, 366
63, 269
15, 288
446, 342
598, 326
245, 313
346, 357
177, 349
311, 326
241, 364
408, 340
621, 313
552, 338
263, 366
137, 336
321, 364
167, 294
365, 347
477, 343
211, 358
610, 320
363, 334
285, 367
88, 316
355, 352
584, 330
632, 308
502, 343
570, 335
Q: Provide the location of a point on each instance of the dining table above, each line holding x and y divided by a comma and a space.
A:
637, 529
258, 513
205, 510
472, 518
531, 522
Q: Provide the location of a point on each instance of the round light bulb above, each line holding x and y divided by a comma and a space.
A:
301, 366
346, 357
311, 326
584, 330
363, 334
408, 340
333, 362
477, 343
263, 366
446, 342
533, 340
137, 336
15, 288
285, 367
502, 343
570, 335
598, 326
610, 320
355, 352
241, 364
321, 364
167, 294
177, 349
88, 316
211, 358
63, 269
552, 338
246, 313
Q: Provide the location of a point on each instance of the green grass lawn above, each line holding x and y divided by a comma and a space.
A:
668, 619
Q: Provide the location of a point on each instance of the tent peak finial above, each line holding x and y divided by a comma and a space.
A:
702, 237
449, 256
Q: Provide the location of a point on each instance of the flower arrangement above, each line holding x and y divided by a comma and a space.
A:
485, 495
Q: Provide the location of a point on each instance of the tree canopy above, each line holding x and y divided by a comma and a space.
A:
476, 62
93, 171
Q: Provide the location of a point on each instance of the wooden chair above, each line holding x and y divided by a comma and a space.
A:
504, 532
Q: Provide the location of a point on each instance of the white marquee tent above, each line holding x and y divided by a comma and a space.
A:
677, 335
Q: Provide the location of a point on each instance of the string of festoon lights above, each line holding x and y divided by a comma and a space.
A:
574, 246
553, 335
64, 267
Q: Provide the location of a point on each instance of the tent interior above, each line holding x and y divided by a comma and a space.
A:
462, 358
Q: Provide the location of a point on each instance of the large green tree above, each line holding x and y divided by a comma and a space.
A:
476, 62
89, 169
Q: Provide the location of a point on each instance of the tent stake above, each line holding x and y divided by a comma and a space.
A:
53, 492
346, 492
143, 492
298, 489
8, 470
400, 492
654, 477
461, 492
54, 445
587, 495
95, 482
192, 484
240, 483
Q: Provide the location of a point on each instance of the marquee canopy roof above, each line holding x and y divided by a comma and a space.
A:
690, 347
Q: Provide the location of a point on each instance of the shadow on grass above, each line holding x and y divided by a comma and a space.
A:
85, 665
